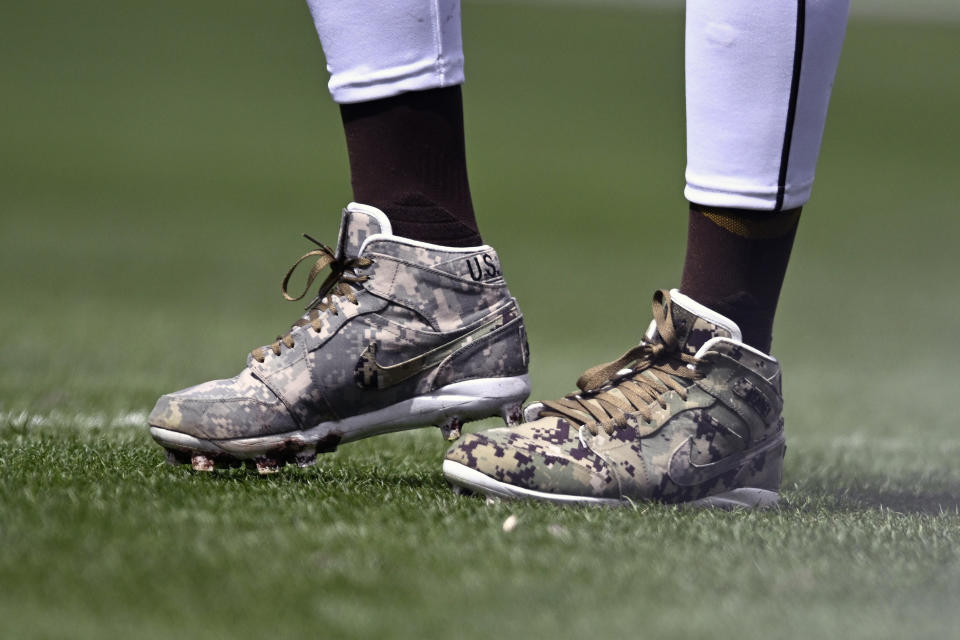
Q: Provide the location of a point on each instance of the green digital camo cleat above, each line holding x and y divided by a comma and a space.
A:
691, 415
402, 334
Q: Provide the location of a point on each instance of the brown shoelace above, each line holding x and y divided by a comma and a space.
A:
608, 396
337, 283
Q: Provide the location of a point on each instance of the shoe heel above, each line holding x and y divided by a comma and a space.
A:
765, 472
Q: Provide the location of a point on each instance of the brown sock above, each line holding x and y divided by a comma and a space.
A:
735, 264
407, 158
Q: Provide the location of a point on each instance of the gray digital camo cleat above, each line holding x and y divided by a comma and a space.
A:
402, 334
691, 415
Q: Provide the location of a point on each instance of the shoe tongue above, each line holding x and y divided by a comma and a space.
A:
360, 221
693, 323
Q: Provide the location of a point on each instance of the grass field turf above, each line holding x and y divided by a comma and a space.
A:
157, 167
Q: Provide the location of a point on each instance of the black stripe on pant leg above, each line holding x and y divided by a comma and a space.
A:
792, 107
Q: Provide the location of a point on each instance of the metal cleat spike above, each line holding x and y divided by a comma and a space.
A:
200, 462
305, 458
512, 413
451, 428
266, 465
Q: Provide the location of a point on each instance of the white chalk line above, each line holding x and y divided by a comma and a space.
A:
856, 440
72, 419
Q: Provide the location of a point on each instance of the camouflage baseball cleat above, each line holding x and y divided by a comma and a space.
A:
690, 415
402, 334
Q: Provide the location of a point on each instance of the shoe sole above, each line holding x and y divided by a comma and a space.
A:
463, 477
449, 407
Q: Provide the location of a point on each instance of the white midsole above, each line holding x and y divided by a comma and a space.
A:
463, 476
468, 400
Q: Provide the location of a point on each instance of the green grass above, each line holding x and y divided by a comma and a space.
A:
157, 165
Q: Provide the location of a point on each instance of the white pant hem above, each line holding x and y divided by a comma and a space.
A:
391, 82
759, 199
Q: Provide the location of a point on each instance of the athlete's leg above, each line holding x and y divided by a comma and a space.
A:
401, 333
758, 80
395, 69
693, 413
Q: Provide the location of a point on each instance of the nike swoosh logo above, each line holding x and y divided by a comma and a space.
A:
686, 473
370, 374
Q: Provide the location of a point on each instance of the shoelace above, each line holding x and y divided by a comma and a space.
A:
337, 283
608, 396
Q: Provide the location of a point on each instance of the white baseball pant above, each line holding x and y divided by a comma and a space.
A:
758, 80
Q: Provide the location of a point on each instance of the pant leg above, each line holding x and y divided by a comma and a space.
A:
380, 48
758, 77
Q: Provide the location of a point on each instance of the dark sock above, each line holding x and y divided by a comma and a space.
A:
736, 261
407, 158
